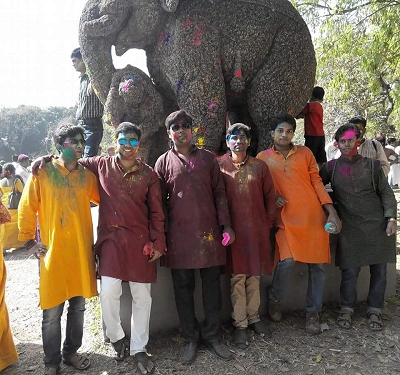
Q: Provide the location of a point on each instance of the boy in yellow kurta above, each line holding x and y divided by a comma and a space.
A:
60, 195
8, 353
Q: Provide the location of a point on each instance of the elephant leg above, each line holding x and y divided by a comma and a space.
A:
283, 84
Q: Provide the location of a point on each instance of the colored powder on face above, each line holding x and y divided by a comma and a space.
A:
348, 134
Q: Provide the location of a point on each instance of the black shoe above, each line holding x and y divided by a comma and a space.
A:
241, 338
219, 349
189, 353
260, 328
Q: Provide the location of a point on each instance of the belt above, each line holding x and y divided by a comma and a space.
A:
93, 120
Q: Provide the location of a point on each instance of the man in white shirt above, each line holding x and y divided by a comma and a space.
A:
23, 164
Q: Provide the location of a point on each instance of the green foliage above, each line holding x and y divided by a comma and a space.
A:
358, 49
26, 129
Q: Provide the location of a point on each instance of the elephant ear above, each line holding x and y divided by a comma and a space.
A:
170, 5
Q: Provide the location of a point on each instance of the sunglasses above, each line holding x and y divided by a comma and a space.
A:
176, 127
76, 142
123, 141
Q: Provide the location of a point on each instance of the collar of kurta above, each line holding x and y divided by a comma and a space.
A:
60, 164
134, 168
292, 151
193, 149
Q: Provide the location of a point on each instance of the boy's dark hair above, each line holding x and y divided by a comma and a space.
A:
279, 119
391, 140
76, 53
345, 128
63, 131
238, 127
358, 120
318, 93
1, 169
175, 116
9, 167
128, 127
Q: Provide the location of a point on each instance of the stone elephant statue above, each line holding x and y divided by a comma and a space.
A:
132, 97
253, 58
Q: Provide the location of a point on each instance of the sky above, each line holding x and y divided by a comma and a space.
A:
37, 38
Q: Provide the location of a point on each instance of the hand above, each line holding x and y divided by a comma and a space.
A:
334, 218
154, 255
38, 250
228, 231
391, 228
39, 163
280, 201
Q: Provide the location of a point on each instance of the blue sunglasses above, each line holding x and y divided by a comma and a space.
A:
133, 142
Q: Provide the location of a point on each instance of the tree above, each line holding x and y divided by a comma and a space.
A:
26, 129
358, 47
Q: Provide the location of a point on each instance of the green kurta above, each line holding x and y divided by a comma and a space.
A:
363, 210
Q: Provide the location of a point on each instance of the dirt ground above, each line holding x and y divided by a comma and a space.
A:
357, 351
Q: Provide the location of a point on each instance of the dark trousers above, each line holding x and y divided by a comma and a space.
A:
377, 287
184, 284
51, 331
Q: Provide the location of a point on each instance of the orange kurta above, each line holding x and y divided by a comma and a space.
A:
8, 353
301, 221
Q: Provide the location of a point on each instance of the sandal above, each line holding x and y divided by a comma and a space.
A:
374, 321
122, 348
78, 361
344, 320
51, 370
145, 366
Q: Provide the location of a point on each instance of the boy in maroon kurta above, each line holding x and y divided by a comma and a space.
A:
197, 210
251, 200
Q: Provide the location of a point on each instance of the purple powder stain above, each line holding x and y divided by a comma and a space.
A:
167, 38
179, 87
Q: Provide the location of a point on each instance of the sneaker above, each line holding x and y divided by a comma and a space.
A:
274, 310
312, 324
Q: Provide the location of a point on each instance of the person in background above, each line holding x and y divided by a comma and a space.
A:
8, 352
314, 134
22, 169
195, 197
90, 110
251, 200
15, 161
368, 209
304, 208
393, 158
60, 198
370, 148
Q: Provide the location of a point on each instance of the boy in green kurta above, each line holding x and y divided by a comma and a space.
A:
60, 196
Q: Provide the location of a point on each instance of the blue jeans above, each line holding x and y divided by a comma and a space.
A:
51, 331
377, 287
93, 136
316, 282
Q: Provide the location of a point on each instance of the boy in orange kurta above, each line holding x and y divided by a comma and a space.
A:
301, 199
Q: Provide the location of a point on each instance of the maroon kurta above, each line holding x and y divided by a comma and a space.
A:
130, 214
251, 200
197, 208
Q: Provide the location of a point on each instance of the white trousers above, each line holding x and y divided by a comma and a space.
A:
111, 291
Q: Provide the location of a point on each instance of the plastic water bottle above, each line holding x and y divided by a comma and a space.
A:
330, 227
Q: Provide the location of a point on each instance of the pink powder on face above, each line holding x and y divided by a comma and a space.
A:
349, 134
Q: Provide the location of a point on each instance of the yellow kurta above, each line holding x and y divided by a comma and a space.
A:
8, 353
301, 221
62, 201
10, 238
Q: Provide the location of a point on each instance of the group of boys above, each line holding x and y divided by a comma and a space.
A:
218, 212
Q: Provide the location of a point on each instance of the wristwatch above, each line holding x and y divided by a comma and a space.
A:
392, 219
